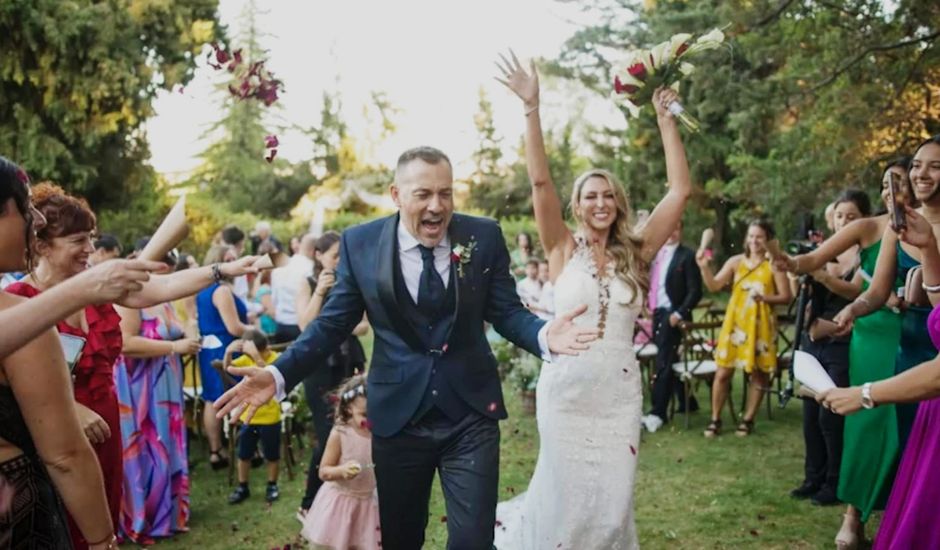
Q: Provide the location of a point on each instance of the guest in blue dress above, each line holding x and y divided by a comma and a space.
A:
223, 317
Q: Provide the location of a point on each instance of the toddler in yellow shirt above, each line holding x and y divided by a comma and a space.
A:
265, 426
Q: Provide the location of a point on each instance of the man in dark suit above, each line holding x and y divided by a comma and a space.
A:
675, 289
428, 279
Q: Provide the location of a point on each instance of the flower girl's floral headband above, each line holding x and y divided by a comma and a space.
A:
353, 393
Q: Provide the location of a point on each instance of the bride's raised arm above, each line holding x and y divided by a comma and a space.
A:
553, 232
668, 212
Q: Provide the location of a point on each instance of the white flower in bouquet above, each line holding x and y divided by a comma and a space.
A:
679, 43
710, 41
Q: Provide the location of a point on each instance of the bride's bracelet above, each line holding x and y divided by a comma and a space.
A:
532, 109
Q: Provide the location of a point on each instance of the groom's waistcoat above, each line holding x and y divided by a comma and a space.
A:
434, 333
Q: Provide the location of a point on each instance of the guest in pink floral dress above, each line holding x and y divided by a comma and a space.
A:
149, 380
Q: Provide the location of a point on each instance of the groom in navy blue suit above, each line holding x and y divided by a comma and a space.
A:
428, 280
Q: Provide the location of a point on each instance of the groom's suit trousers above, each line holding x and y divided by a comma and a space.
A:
465, 454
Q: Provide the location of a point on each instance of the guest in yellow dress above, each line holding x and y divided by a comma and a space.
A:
747, 339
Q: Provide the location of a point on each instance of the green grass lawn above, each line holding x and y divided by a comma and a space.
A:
691, 492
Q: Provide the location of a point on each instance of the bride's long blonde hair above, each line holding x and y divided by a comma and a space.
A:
623, 243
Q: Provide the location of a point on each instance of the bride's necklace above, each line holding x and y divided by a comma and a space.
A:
603, 285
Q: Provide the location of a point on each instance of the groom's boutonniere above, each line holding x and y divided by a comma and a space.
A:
460, 255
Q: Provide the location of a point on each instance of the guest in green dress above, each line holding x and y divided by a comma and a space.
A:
895, 260
870, 438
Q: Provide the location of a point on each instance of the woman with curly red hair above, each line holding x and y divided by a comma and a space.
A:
62, 250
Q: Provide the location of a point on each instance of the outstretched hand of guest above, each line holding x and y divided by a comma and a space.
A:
239, 267
566, 338
918, 232
842, 401
256, 388
112, 280
784, 263
846, 320
522, 83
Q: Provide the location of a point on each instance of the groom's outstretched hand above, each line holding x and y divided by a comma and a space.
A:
256, 388
566, 338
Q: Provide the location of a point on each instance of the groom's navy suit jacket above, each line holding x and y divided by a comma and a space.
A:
402, 361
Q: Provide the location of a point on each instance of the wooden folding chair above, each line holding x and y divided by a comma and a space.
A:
192, 395
287, 429
697, 362
229, 424
645, 351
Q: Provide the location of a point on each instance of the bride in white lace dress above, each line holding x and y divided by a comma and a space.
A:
589, 406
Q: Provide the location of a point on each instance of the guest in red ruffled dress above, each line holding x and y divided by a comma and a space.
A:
62, 250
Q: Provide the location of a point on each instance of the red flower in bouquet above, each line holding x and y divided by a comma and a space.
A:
638, 71
622, 88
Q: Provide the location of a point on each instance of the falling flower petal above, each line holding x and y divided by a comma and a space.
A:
271, 142
271, 155
633, 450
367, 424
491, 407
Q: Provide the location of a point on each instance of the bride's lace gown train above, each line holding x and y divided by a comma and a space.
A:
589, 409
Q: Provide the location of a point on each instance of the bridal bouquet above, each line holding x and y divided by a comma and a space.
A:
664, 65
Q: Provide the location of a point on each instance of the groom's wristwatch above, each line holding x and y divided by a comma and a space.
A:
866, 396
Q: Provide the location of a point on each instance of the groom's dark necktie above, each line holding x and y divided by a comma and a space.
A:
431, 287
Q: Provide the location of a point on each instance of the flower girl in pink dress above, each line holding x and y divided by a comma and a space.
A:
345, 513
